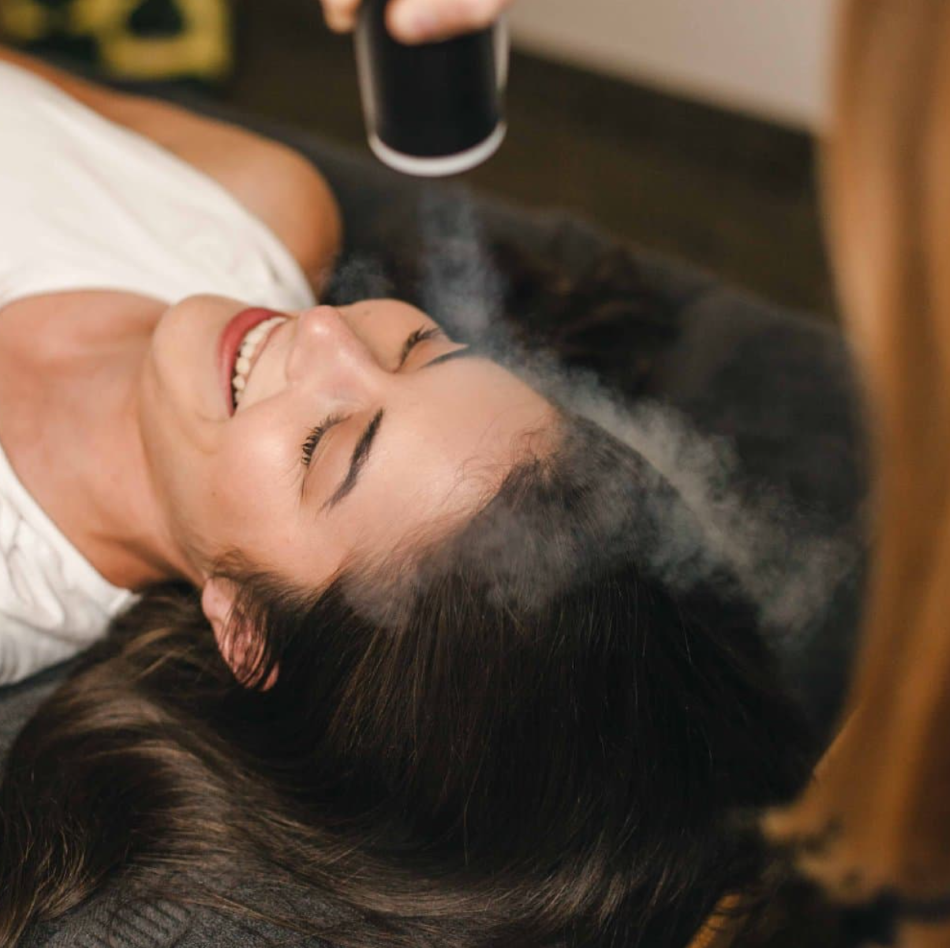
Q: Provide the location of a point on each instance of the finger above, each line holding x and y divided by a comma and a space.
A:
340, 14
418, 21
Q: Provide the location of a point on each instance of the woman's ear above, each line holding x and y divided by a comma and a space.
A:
241, 646
217, 602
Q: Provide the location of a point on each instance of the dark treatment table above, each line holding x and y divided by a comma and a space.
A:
777, 384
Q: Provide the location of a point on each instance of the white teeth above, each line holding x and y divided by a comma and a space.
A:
246, 353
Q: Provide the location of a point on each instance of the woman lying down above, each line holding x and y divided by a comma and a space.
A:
381, 629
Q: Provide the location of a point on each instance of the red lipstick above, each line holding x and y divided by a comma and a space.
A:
231, 338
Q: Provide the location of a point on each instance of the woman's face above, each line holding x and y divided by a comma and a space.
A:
359, 427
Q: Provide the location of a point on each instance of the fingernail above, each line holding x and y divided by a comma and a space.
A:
336, 21
412, 24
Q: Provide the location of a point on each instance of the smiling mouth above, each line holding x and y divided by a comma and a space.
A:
249, 352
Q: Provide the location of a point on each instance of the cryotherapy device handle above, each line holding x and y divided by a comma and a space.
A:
437, 108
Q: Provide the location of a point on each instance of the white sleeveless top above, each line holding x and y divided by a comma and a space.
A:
87, 204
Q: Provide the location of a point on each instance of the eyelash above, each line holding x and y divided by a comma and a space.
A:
316, 434
420, 335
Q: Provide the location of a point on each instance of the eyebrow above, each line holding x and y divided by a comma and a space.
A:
364, 445
467, 352
357, 460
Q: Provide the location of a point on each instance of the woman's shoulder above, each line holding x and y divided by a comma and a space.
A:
275, 183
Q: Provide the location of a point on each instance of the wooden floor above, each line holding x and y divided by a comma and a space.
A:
729, 193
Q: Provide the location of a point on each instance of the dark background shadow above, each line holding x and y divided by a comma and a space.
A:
722, 191
729, 193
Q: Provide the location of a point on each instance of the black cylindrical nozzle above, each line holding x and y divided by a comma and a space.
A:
436, 108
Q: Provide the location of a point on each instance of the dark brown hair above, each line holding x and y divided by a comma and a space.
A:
535, 741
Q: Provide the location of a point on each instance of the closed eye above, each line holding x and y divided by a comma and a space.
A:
415, 338
317, 433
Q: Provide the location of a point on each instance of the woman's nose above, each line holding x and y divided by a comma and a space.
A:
326, 351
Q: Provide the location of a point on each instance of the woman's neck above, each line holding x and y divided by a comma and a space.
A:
69, 364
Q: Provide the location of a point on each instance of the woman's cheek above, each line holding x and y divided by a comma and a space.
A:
253, 483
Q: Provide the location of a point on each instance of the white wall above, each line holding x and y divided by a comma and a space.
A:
767, 57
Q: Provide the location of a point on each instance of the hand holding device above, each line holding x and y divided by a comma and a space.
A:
421, 21
431, 109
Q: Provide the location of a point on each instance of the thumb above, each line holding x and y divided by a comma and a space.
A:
340, 15
422, 21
